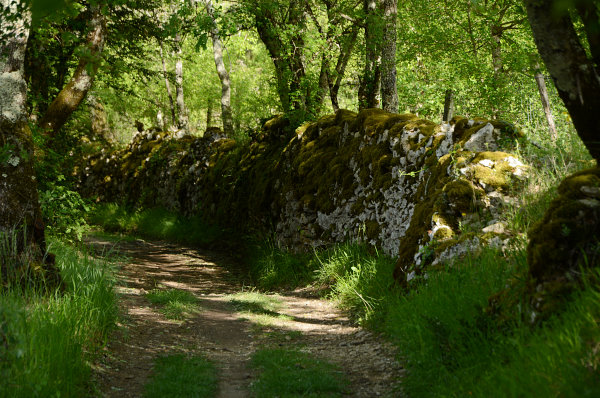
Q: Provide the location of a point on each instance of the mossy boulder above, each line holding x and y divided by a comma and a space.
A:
567, 239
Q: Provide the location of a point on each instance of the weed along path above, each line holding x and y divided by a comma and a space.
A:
177, 301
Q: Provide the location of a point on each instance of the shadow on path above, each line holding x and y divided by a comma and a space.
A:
221, 334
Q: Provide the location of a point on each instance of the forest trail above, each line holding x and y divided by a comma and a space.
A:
219, 332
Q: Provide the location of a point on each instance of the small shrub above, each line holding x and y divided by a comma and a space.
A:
65, 212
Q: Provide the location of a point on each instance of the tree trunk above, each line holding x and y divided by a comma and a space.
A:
541, 83
323, 81
226, 113
209, 114
371, 80
340, 68
37, 75
22, 239
389, 93
182, 119
497, 63
71, 96
588, 12
287, 58
573, 73
168, 85
498, 67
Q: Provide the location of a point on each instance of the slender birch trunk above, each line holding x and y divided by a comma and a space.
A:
182, 119
226, 112
340, 68
168, 85
541, 83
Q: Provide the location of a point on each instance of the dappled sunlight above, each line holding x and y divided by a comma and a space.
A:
229, 324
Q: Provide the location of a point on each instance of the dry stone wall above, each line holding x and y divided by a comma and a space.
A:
417, 190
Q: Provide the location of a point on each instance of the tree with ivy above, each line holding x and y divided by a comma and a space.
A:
22, 234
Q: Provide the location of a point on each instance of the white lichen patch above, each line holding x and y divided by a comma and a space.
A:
482, 140
12, 96
14, 161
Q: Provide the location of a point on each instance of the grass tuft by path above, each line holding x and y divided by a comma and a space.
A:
260, 309
48, 340
179, 376
175, 304
293, 373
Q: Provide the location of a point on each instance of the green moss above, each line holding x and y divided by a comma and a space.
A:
507, 129
275, 124
357, 207
326, 121
571, 186
442, 234
462, 195
492, 177
372, 229
343, 116
493, 156
428, 199
225, 145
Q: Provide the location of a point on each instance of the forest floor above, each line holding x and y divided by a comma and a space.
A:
221, 333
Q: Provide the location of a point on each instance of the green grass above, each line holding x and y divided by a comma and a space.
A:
48, 340
272, 267
174, 303
450, 345
260, 309
353, 275
156, 223
179, 376
453, 348
292, 373
358, 279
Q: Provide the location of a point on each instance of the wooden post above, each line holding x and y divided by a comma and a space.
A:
541, 83
448, 106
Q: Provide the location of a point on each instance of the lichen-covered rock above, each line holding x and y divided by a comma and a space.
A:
400, 183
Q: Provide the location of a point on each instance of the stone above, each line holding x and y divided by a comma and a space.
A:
497, 228
482, 140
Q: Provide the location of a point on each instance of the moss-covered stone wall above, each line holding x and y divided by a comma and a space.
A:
405, 185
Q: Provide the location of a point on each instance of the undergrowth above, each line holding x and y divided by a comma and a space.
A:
48, 340
156, 223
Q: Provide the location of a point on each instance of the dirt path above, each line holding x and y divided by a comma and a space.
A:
219, 332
